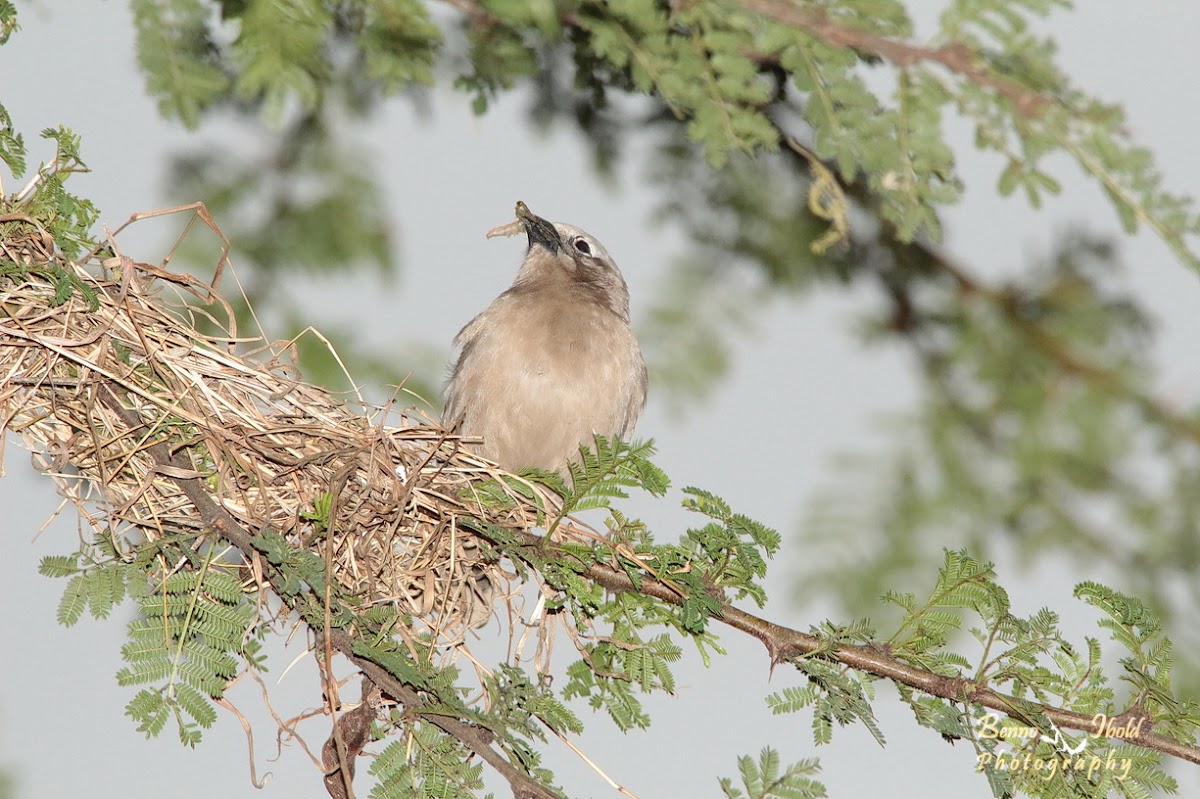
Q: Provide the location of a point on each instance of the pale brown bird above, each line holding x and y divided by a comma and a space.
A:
552, 361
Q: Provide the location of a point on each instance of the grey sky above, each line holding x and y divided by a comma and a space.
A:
801, 390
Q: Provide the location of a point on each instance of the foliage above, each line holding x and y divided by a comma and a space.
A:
184, 644
789, 168
605, 473
188, 637
772, 126
1035, 666
99, 581
723, 79
764, 780
627, 603
425, 762
62, 217
1036, 428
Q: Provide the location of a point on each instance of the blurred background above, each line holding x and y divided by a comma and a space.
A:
838, 399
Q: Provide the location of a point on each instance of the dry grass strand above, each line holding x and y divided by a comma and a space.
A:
268, 445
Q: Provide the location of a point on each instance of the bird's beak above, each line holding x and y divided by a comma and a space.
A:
537, 229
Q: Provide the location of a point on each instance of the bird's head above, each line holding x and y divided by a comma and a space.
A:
562, 254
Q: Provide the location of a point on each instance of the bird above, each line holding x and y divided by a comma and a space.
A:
551, 362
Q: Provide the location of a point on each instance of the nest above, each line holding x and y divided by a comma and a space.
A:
91, 385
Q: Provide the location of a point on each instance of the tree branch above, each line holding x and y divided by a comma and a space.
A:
1004, 301
475, 738
784, 644
955, 56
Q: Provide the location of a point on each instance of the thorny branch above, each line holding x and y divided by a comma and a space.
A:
783, 645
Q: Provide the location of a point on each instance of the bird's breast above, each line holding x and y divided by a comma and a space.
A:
546, 374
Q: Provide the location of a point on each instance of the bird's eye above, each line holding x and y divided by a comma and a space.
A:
583, 246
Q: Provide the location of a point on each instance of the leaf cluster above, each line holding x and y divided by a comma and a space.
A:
1038, 424
425, 763
766, 779
606, 472
834, 695
65, 217
280, 53
187, 643
730, 552
1030, 665
99, 581
44, 223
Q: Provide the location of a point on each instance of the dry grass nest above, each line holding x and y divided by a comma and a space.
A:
91, 387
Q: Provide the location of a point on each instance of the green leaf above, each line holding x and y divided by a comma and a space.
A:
765, 779
178, 57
